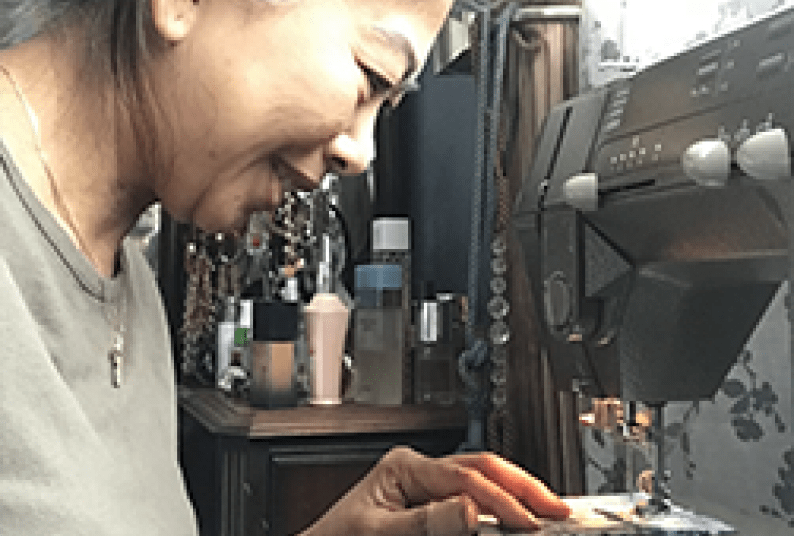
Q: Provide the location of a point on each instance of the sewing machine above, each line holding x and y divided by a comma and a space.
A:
656, 224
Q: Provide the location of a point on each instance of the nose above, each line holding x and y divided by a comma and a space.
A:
352, 152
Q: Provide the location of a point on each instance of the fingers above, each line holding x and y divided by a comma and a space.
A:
454, 516
425, 480
529, 490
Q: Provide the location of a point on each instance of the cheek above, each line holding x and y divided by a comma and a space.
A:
305, 105
274, 84
312, 121
317, 94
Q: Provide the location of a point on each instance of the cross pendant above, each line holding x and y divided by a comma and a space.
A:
116, 359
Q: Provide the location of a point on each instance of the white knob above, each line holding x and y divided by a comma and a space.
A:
708, 162
581, 192
765, 155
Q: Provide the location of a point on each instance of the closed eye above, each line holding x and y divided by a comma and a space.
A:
379, 85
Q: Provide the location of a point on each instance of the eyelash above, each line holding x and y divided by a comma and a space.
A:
378, 84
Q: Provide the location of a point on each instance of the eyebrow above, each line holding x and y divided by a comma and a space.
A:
400, 44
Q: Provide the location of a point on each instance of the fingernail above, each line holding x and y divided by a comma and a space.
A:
488, 520
530, 523
534, 521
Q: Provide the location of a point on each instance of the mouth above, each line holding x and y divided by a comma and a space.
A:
291, 178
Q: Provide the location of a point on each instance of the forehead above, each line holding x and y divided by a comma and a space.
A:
418, 20
429, 13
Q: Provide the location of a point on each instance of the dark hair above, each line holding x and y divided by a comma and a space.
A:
22, 19
118, 37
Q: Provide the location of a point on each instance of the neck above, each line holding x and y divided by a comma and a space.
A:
75, 164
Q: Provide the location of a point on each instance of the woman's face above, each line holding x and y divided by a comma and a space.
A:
263, 96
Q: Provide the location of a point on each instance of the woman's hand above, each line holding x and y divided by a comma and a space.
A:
407, 493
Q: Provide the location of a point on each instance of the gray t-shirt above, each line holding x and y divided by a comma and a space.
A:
77, 455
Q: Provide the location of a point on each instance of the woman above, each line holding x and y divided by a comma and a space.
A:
214, 108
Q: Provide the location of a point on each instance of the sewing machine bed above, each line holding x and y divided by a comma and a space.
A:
612, 515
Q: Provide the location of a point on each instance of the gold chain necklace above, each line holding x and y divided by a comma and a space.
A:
116, 352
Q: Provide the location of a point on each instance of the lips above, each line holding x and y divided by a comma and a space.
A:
289, 178
292, 178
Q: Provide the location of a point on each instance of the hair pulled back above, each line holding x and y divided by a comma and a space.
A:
115, 40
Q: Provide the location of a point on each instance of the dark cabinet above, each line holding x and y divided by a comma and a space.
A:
273, 472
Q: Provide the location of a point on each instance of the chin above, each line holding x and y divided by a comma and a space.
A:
233, 224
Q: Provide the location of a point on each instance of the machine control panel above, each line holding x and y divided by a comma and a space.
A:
709, 92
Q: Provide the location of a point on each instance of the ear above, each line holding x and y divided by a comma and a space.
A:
174, 19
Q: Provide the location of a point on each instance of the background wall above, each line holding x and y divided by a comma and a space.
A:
621, 36
732, 457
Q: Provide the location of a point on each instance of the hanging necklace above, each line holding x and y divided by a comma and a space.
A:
116, 352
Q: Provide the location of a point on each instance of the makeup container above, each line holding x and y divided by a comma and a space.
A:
273, 352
